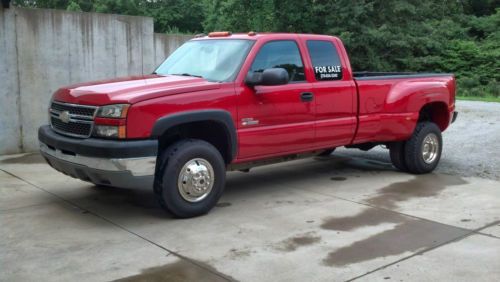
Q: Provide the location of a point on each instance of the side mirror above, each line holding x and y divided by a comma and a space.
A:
269, 77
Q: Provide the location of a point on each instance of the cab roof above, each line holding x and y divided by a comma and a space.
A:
259, 35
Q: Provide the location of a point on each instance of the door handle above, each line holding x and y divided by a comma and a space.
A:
306, 96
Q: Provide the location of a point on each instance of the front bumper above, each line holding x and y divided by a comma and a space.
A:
115, 163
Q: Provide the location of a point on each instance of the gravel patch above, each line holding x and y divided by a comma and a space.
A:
471, 144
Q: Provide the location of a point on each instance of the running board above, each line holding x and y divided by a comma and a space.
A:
247, 165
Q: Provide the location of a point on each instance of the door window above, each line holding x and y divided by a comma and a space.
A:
280, 54
325, 60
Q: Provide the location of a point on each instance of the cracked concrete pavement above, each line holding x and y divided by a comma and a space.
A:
340, 218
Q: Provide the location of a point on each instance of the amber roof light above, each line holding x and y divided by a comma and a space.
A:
219, 34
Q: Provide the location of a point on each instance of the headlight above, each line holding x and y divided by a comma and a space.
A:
110, 121
113, 111
109, 131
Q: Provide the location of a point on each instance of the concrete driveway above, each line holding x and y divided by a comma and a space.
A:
332, 219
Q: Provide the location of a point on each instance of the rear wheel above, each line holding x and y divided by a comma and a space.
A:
397, 153
422, 151
190, 179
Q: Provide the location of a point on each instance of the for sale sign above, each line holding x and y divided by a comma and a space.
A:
328, 72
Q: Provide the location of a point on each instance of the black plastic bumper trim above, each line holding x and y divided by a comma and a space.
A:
99, 148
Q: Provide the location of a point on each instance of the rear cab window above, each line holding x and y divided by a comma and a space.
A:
325, 60
280, 54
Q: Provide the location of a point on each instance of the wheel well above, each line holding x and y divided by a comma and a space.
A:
212, 132
437, 113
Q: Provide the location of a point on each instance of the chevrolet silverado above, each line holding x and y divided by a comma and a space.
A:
224, 102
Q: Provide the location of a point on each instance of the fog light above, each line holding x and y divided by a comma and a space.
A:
110, 131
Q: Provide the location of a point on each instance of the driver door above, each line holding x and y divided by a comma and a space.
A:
276, 120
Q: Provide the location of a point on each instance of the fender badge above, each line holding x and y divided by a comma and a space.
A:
249, 121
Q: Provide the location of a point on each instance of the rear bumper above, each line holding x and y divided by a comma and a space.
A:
106, 162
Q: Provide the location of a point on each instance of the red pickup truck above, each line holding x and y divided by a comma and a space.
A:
227, 102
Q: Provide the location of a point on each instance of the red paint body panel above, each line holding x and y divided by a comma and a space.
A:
142, 115
131, 89
343, 112
389, 108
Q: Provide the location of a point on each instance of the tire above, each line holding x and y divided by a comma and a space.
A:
397, 153
416, 161
184, 167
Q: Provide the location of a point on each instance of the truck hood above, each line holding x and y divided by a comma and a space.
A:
131, 89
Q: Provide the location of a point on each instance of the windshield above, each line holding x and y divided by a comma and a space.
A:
214, 60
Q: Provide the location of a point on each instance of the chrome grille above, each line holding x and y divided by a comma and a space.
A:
73, 109
72, 120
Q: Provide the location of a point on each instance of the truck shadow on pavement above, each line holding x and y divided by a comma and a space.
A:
31, 158
241, 186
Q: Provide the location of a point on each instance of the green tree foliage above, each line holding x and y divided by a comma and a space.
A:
459, 36
73, 6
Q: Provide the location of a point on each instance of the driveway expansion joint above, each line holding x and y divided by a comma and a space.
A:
169, 252
488, 235
459, 238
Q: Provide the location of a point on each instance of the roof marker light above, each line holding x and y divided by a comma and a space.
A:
219, 34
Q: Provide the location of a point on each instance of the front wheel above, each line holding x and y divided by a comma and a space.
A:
422, 151
190, 179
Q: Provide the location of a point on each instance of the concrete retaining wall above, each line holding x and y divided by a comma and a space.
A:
41, 50
10, 133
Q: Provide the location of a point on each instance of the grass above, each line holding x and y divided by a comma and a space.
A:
483, 99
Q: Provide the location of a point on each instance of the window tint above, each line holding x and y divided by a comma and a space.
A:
280, 54
325, 60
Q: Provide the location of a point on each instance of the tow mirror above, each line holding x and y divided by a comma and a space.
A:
269, 77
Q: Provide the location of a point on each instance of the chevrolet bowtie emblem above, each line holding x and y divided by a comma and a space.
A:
64, 116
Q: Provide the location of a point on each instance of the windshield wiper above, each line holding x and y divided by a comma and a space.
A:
188, 74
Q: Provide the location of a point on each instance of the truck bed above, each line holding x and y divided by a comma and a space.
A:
388, 102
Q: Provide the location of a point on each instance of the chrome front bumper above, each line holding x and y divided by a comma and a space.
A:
144, 166
118, 163
115, 172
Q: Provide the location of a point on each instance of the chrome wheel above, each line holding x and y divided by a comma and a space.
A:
430, 148
196, 180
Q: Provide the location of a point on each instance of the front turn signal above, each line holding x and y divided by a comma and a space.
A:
110, 131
